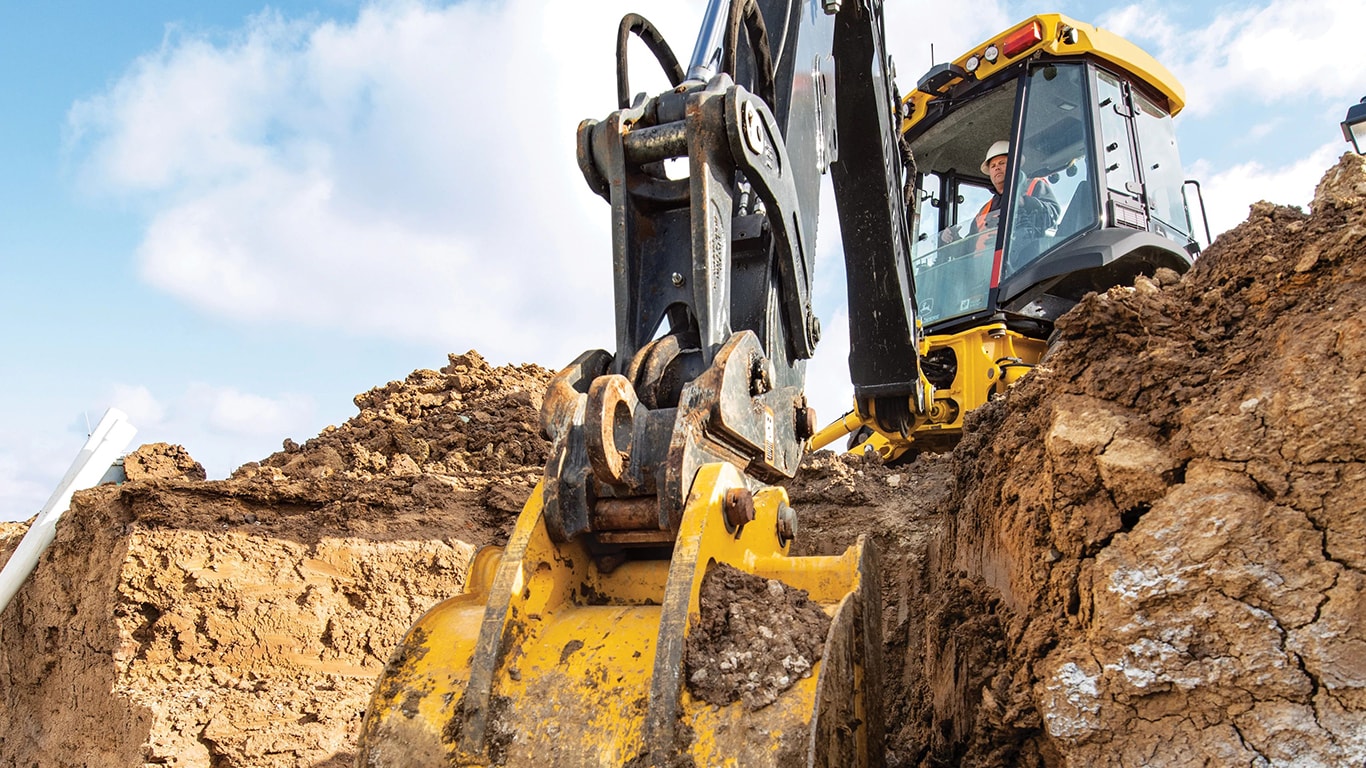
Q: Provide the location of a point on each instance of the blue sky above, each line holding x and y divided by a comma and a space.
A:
229, 218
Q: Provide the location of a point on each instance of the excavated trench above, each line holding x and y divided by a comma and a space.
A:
1148, 552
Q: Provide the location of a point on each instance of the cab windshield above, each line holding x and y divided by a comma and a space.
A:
954, 278
1049, 195
1053, 197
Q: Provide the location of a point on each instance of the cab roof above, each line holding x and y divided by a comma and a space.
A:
1048, 35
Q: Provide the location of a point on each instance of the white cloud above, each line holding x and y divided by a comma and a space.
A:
1276, 52
952, 28
241, 413
208, 408
1229, 193
139, 404
22, 494
408, 175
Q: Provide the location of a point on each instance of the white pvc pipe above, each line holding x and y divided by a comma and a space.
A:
103, 446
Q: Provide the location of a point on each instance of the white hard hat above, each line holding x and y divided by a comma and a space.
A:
997, 149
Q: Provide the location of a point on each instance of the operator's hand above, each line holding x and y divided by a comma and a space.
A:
949, 235
1035, 213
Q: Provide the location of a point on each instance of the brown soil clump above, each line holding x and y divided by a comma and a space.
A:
162, 460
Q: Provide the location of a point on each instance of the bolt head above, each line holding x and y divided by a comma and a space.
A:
787, 524
760, 377
738, 507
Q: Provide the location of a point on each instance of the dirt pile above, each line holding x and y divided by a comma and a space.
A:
470, 423
1148, 552
1163, 526
243, 622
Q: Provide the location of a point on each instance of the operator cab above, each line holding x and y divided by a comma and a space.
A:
1081, 125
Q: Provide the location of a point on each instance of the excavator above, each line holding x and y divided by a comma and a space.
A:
582, 641
1089, 117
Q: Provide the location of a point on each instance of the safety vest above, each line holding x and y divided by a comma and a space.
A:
984, 241
981, 221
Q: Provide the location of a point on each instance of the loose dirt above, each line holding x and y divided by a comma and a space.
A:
756, 638
1148, 552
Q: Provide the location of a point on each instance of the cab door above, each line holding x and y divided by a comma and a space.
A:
1119, 161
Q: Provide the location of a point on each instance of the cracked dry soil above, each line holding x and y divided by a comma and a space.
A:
1149, 552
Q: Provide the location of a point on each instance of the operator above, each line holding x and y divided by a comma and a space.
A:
1038, 207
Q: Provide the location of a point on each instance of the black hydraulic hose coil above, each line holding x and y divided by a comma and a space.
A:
747, 11
633, 23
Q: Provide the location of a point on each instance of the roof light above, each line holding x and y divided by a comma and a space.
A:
972, 63
1354, 127
939, 77
1021, 39
991, 54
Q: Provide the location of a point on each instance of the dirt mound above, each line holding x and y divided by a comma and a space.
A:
1166, 518
1147, 552
467, 421
243, 622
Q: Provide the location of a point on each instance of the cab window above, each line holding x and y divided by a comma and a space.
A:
1161, 169
1116, 151
1053, 189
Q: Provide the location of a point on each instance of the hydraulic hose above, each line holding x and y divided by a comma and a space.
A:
638, 25
747, 12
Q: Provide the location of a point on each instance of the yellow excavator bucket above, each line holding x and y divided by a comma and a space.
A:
550, 660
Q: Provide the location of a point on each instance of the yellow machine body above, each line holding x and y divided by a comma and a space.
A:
969, 356
986, 360
547, 660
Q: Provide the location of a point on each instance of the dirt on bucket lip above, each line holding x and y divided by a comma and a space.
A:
1147, 552
755, 638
